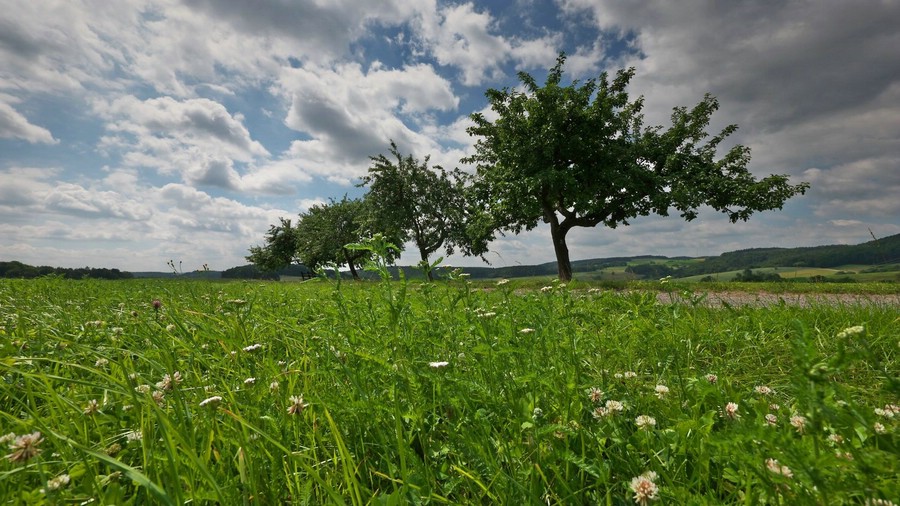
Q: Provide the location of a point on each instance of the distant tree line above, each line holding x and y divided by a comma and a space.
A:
16, 269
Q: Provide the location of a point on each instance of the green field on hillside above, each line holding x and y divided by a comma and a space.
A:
193, 391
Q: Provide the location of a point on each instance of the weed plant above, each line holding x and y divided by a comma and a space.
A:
393, 392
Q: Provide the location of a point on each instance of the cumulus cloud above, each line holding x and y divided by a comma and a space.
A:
197, 138
462, 36
14, 125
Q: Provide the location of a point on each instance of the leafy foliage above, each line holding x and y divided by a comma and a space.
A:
280, 249
425, 205
319, 238
579, 156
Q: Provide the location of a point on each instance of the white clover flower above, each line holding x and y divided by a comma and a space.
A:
661, 391
774, 407
537, 413
101, 362
771, 420
134, 435
712, 378
273, 386
630, 375
25, 447
613, 407
645, 488
595, 395
92, 407
645, 422
851, 331
58, 482
773, 466
731, 410
879, 428
297, 405
799, 423
170, 327
836, 438
212, 401
762, 390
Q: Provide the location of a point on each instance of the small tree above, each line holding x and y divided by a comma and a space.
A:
319, 238
280, 249
579, 156
420, 204
325, 230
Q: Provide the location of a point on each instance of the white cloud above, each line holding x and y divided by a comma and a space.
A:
197, 138
14, 125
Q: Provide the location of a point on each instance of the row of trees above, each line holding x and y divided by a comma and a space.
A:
407, 201
568, 156
16, 269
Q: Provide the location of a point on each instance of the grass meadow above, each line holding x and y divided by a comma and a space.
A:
446, 393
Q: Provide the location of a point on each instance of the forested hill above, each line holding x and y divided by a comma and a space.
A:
16, 269
881, 251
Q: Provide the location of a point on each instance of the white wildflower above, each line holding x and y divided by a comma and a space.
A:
297, 405
645, 422
645, 488
773, 466
92, 407
661, 391
58, 482
731, 410
851, 331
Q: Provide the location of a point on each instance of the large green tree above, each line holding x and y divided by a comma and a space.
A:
422, 204
319, 238
579, 156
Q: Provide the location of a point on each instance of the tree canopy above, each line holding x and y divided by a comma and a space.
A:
420, 204
319, 238
579, 156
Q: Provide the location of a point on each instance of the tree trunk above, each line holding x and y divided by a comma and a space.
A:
563, 264
426, 266
350, 261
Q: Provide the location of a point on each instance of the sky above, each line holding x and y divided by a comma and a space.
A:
141, 131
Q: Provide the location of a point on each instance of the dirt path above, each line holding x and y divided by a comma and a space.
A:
793, 299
